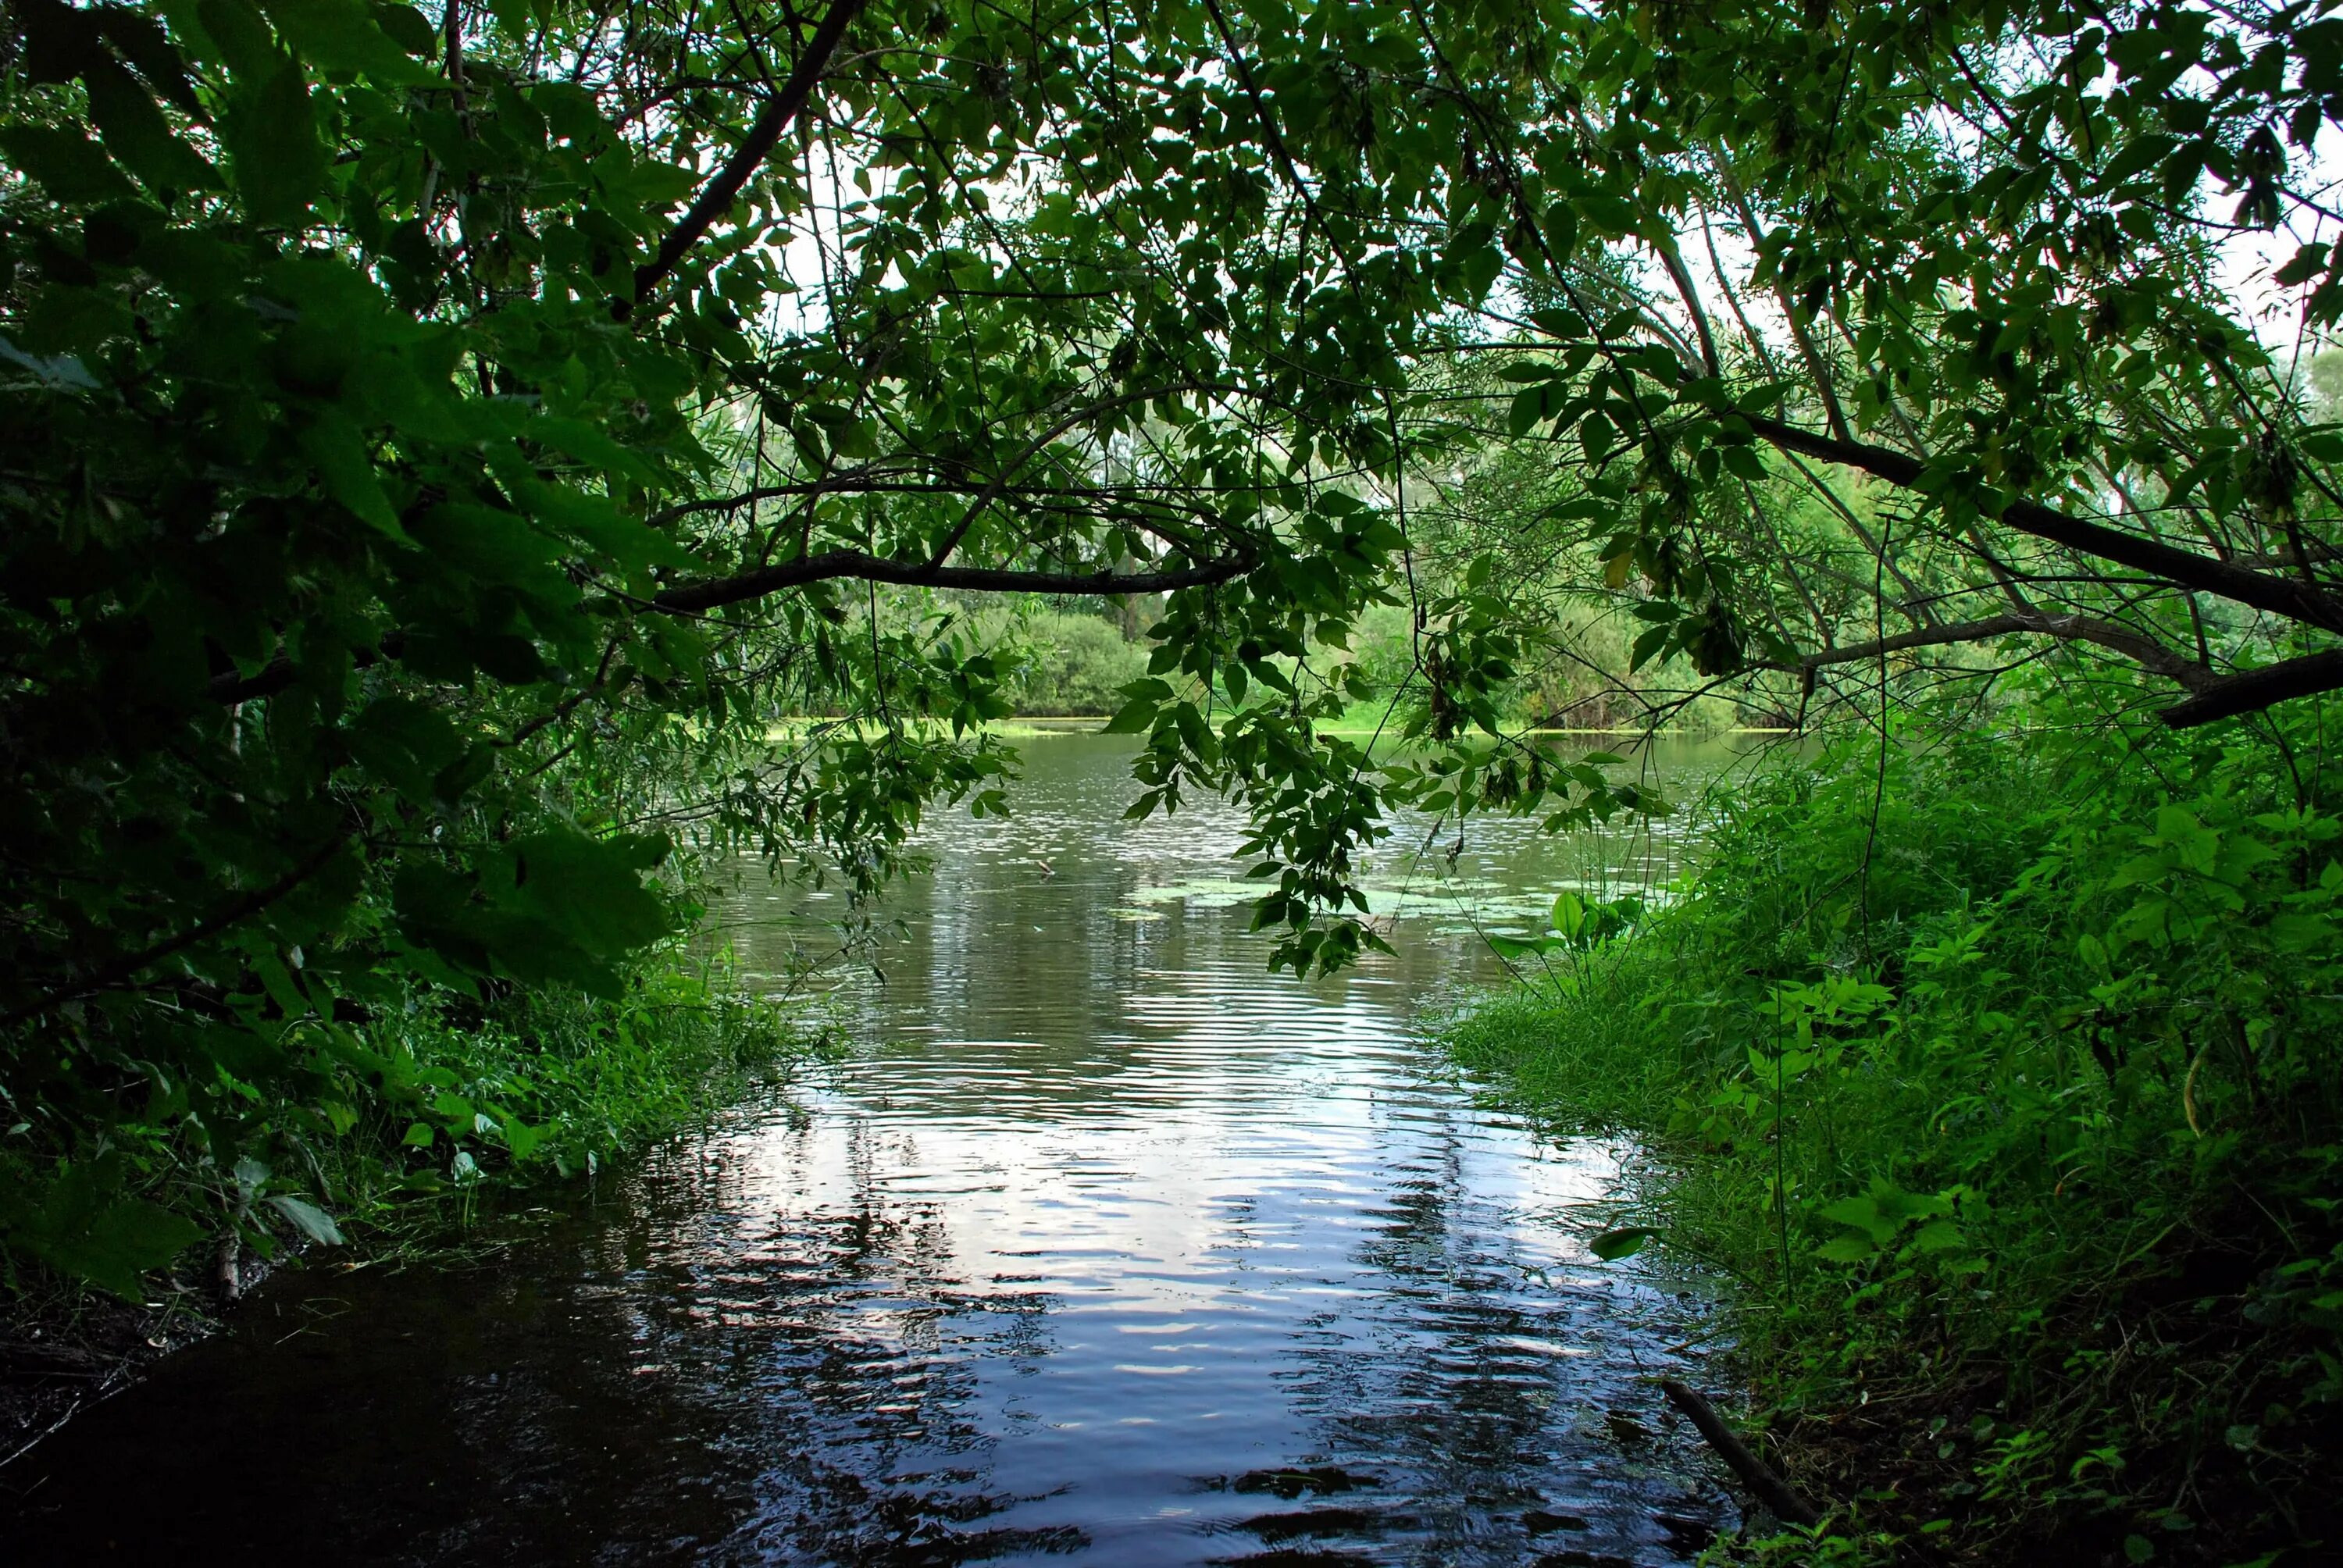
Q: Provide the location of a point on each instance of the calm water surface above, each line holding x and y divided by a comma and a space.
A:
1104, 1246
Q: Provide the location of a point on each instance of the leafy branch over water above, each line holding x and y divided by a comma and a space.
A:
457, 458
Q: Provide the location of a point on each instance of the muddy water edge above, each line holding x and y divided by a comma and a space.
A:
1100, 1245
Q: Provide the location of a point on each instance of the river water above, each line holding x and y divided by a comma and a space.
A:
1102, 1246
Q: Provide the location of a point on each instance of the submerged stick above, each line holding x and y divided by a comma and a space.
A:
1771, 1489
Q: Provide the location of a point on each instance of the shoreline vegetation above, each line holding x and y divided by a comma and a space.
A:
444, 1116
1996, 1072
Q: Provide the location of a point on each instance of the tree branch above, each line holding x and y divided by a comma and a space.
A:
713, 593
2256, 690
2145, 651
110, 975
2294, 600
694, 597
2213, 697
764, 132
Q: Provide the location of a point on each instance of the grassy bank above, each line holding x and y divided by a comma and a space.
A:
382, 1133
1999, 1072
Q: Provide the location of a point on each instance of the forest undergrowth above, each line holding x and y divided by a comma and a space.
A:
1997, 1067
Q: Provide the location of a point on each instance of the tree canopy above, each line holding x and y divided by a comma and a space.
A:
440, 442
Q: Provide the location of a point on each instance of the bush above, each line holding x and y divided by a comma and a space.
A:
387, 1118
1078, 662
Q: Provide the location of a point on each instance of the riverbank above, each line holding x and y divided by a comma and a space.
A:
2000, 1073
439, 1111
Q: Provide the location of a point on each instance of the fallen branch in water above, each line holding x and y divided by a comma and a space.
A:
1771, 1489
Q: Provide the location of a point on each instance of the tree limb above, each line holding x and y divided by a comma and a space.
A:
2294, 600
2145, 651
694, 597
2255, 689
713, 593
242, 909
764, 132
2212, 696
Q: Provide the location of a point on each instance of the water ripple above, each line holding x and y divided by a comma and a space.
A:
1109, 1247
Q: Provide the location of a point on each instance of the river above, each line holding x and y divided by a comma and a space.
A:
1100, 1245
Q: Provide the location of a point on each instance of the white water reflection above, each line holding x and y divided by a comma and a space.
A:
1240, 1226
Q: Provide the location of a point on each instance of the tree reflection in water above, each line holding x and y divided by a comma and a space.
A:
1110, 1246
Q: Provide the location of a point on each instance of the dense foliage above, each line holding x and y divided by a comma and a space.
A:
451, 453
2001, 1070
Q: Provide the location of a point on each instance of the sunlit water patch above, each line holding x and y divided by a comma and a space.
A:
1105, 1246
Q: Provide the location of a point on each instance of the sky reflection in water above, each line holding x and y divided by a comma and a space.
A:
1110, 1248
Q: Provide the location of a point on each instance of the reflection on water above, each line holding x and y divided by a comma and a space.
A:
1109, 1247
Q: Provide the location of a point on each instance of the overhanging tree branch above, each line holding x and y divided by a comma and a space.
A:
696, 598
236, 910
2145, 651
714, 593
2213, 697
765, 131
2256, 690
2294, 599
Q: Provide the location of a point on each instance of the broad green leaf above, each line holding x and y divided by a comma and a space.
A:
309, 1218
342, 36
136, 133
276, 161
347, 472
74, 169
1623, 1243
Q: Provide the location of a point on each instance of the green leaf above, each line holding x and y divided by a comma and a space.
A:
345, 471
275, 159
406, 27
1569, 915
1624, 1242
1133, 718
520, 1139
344, 36
136, 133
1560, 230
582, 441
2308, 263
309, 1218
1647, 646
1528, 404
407, 743
1863, 1213
114, 1246
590, 891
1507, 947
242, 35
71, 168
